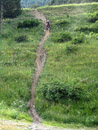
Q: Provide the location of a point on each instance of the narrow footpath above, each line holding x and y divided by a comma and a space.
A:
40, 60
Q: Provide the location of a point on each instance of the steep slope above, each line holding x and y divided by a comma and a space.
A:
67, 89
17, 65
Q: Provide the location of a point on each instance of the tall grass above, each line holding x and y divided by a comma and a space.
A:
17, 66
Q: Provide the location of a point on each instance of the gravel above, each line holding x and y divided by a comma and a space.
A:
38, 126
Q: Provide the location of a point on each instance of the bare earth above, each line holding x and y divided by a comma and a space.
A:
12, 125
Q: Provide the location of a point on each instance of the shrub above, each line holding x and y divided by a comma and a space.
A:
57, 91
94, 27
61, 22
61, 37
21, 38
93, 35
87, 29
5, 35
71, 49
28, 24
78, 39
92, 17
83, 29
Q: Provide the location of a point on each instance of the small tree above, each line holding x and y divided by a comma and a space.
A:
12, 8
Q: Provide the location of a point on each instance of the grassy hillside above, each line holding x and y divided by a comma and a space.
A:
58, 2
67, 91
17, 65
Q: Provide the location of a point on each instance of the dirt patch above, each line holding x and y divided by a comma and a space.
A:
12, 125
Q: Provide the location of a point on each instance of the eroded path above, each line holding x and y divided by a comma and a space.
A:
40, 60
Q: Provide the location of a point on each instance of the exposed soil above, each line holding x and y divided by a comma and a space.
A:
40, 60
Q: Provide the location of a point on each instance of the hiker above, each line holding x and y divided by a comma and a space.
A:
47, 25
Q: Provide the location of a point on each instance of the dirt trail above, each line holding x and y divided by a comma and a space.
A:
40, 60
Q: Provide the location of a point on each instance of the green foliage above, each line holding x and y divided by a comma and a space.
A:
78, 39
57, 92
92, 17
71, 68
14, 112
83, 29
11, 8
61, 22
61, 37
71, 49
4, 35
21, 38
17, 66
92, 28
58, 2
28, 23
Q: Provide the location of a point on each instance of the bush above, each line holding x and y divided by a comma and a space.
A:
78, 39
61, 37
5, 35
28, 24
71, 49
87, 29
94, 27
21, 38
57, 91
61, 22
92, 17
83, 29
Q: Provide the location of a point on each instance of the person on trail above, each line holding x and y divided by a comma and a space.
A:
47, 25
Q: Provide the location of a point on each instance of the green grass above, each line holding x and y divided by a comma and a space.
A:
67, 5
72, 125
17, 66
67, 91
14, 113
